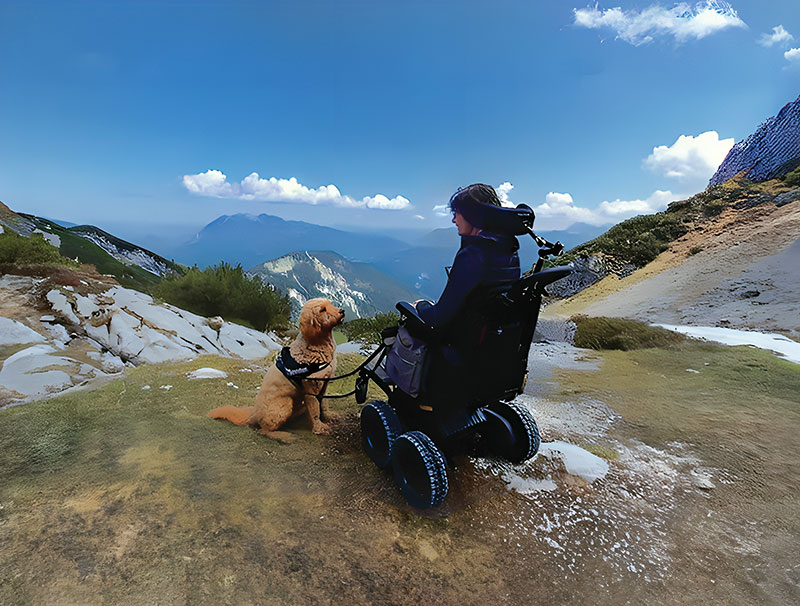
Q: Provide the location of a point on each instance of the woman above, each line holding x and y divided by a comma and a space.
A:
484, 260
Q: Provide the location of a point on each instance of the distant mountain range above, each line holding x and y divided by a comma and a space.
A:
249, 240
361, 289
417, 264
363, 272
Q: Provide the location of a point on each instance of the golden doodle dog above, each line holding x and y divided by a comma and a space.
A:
287, 390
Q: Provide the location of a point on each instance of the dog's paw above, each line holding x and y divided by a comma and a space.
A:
321, 428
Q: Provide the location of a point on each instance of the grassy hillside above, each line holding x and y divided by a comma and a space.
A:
74, 246
641, 239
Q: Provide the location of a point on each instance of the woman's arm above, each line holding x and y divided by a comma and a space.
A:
466, 274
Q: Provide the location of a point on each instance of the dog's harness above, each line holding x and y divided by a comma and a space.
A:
294, 370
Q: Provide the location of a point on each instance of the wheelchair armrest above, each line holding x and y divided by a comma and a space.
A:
415, 325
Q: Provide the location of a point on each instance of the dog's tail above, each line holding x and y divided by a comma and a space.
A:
238, 415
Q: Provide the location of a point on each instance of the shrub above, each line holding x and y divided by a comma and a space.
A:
224, 290
637, 241
367, 330
792, 178
28, 251
619, 333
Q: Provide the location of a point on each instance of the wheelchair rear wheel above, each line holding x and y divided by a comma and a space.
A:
420, 470
512, 434
380, 427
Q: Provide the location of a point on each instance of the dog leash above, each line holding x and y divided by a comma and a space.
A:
352, 372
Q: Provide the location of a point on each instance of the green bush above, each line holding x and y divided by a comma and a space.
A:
792, 178
367, 330
27, 251
637, 241
224, 290
619, 333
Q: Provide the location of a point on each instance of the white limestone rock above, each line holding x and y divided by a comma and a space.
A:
16, 333
23, 372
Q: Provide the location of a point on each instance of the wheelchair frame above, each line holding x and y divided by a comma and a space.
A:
417, 438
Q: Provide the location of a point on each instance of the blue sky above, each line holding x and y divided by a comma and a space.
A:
149, 115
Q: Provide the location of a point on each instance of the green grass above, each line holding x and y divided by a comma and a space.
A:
35, 250
125, 495
620, 333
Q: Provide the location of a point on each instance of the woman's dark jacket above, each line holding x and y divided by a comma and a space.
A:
484, 260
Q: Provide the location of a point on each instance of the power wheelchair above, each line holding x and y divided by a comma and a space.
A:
471, 400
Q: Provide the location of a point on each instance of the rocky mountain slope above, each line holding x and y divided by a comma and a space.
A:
737, 269
131, 265
361, 289
249, 240
771, 151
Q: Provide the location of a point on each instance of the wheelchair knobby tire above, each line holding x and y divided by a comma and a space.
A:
380, 427
518, 439
420, 470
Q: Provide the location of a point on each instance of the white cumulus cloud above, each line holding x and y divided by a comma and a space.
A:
441, 210
690, 160
682, 21
215, 183
779, 35
502, 192
793, 56
559, 210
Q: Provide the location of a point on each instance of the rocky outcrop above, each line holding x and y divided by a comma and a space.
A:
586, 271
91, 335
771, 151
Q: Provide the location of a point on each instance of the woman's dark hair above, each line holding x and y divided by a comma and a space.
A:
466, 199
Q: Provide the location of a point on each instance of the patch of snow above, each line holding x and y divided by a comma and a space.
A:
16, 333
231, 384
783, 346
528, 485
207, 373
576, 460
166, 387
702, 479
128, 257
145, 388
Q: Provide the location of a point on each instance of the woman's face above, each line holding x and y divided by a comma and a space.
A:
465, 228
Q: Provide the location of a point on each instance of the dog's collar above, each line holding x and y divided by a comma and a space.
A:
294, 370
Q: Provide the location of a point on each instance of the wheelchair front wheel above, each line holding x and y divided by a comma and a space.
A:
420, 470
511, 432
380, 427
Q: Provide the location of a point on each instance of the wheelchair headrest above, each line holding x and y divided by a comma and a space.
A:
501, 220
